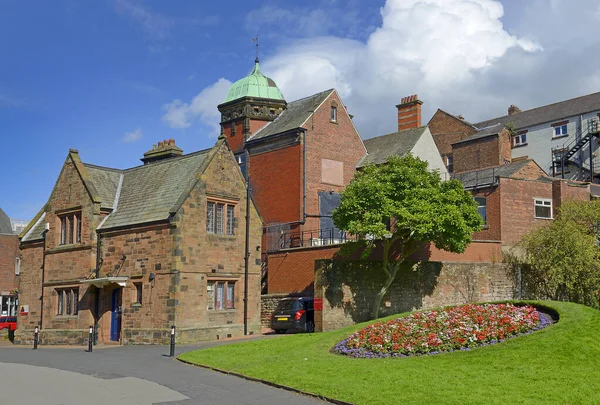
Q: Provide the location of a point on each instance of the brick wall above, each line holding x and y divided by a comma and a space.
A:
446, 130
492, 230
517, 204
338, 141
292, 271
348, 292
476, 154
568, 191
276, 178
9, 251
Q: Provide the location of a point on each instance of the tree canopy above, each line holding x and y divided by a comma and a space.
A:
401, 204
561, 260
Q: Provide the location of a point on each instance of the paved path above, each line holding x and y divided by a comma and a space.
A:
125, 375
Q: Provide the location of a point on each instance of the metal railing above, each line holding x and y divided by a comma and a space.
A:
568, 152
321, 237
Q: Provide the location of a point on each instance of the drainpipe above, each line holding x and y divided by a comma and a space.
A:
304, 176
97, 298
43, 276
247, 254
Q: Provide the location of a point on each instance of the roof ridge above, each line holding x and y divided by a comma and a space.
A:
312, 95
93, 166
544, 106
455, 116
160, 162
395, 133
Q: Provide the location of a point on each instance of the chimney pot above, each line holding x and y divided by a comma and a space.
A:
513, 109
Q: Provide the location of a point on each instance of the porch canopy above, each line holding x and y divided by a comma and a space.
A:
104, 281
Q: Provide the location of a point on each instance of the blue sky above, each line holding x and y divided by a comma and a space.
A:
112, 77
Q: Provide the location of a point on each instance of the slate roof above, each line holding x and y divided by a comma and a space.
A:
483, 133
380, 148
148, 193
296, 113
548, 113
489, 176
106, 181
5, 225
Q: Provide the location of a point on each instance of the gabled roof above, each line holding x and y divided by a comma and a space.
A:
483, 133
548, 113
106, 181
149, 192
5, 225
488, 176
139, 195
464, 121
380, 148
296, 114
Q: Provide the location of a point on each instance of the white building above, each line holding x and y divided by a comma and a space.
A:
557, 134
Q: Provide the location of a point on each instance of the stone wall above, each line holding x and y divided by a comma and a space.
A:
348, 291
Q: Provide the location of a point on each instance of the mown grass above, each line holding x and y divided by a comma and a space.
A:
557, 365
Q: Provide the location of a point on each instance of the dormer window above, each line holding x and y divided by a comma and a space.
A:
333, 114
70, 228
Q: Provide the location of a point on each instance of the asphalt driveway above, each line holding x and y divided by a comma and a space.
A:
125, 375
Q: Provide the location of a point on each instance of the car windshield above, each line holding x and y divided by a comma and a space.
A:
288, 305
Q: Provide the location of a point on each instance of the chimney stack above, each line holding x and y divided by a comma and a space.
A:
409, 112
163, 150
513, 109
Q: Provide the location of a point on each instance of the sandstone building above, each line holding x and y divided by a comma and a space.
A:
135, 251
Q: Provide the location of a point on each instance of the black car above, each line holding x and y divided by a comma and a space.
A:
294, 314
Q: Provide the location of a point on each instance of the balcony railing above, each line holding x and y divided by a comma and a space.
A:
321, 237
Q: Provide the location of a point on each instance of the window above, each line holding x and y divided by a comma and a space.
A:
68, 301
519, 140
220, 218
333, 114
450, 163
560, 130
482, 208
17, 266
138, 293
220, 295
70, 229
233, 129
543, 208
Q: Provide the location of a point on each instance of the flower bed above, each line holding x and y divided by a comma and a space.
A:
443, 330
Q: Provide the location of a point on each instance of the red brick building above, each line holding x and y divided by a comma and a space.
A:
298, 156
10, 263
135, 251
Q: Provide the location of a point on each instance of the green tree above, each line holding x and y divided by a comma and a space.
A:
422, 209
561, 260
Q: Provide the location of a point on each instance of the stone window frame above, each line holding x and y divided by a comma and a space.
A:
223, 224
67, 301
228, 288
545, 203
138, 293
70, 228
17, 266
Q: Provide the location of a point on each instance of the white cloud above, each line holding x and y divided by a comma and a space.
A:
6, 101
455, 54
132, 136
154, 24
180, 114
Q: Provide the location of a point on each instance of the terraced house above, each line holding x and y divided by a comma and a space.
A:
135, 251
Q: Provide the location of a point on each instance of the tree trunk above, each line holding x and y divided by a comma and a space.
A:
391, 275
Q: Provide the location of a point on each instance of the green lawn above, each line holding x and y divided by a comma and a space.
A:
557, 365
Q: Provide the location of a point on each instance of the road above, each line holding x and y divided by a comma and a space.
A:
124, 375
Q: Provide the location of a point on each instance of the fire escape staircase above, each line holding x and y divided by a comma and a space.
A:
566, 153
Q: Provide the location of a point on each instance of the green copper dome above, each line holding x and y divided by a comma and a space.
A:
254, 85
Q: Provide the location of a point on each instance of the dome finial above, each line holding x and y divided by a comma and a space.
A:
255, 39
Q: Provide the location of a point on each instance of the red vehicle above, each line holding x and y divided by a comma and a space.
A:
8, 322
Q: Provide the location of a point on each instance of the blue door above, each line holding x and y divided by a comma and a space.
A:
115, 321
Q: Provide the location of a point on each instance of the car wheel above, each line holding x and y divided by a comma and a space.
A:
309, 327
280, 331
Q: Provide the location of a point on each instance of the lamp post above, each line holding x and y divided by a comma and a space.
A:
172, 352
